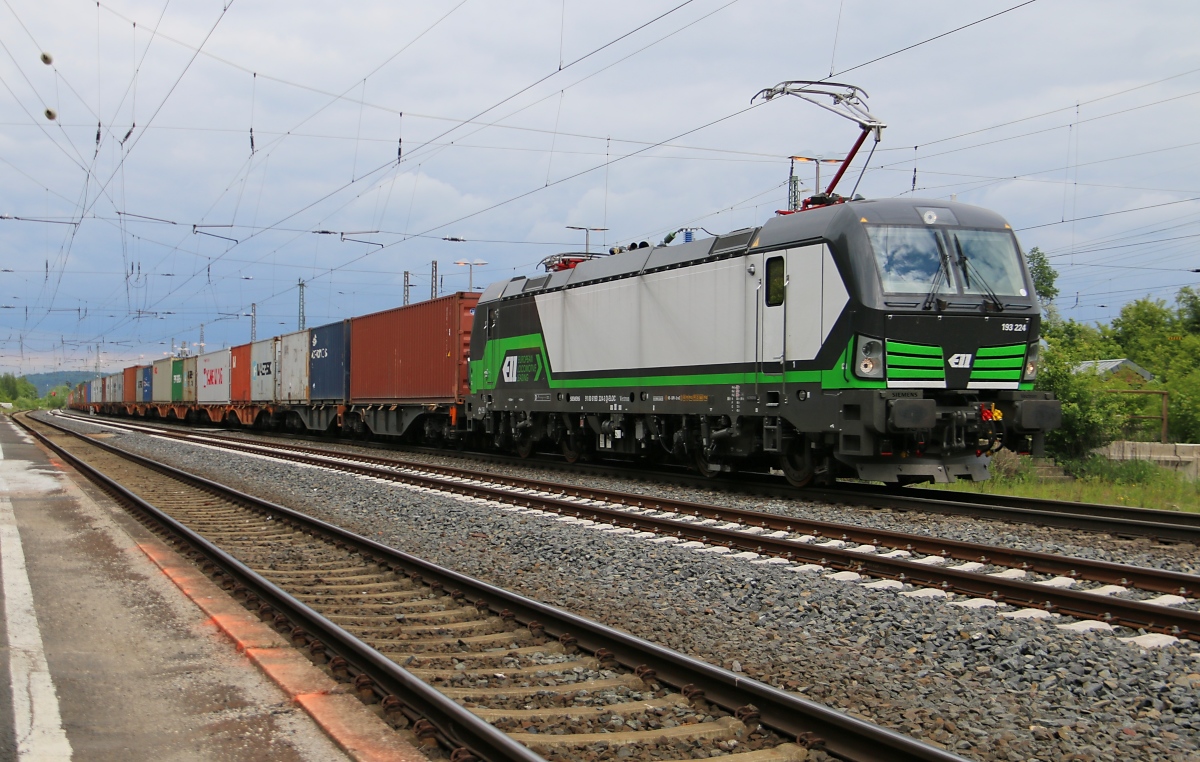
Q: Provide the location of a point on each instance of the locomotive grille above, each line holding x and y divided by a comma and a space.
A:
915, 362
998, 363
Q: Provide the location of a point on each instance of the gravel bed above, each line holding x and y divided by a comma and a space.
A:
1138, 552
972, 681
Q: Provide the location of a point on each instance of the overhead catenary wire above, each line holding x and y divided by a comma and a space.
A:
654, 145
491, 108
391, 178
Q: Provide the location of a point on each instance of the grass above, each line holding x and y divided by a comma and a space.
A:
1097, 480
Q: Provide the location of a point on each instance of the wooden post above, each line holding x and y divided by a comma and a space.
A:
1164, 414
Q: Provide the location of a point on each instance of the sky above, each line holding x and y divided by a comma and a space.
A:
199, 158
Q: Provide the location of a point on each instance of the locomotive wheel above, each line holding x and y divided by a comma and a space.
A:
571, 450
796, 469
707, 468
524, 447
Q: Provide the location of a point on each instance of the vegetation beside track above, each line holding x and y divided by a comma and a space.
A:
1096, 479
24, 395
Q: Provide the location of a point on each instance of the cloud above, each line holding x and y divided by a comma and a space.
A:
191, 163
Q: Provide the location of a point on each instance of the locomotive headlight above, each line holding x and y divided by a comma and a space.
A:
869, 360
1031, 363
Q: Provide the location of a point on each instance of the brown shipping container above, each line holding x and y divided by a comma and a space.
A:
133, 382
413, 353
239, 372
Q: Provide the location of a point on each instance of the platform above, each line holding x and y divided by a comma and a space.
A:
101, 656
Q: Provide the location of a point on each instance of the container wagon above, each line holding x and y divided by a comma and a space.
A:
239, 374
213, 376
293, 368
161, 383
409, 365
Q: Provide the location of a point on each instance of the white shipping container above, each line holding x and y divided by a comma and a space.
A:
212, 384
97, 390
264, 370
293, 381
116, 388
160, 381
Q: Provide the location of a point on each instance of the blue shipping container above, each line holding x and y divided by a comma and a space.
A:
146, 377
329, 362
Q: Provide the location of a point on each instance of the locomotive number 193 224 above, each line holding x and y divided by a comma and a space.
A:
1014, 326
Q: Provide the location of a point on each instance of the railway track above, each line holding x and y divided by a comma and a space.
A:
1117, 520
988, 574
470, 670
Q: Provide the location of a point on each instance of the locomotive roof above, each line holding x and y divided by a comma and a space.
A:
828, 221
822, 223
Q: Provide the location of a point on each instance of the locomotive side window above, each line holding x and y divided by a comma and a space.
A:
775, 282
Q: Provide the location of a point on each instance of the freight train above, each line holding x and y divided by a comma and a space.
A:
887, 340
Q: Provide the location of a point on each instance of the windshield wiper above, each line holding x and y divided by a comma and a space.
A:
938, 277
967, 266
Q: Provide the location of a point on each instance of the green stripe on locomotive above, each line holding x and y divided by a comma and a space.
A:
915, 362
485, 373
905, 362
999, 363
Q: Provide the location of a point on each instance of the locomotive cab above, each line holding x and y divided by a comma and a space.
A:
939, 368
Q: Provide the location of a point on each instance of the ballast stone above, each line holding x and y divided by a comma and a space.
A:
976, 603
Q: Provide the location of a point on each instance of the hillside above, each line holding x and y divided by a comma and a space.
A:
47, 381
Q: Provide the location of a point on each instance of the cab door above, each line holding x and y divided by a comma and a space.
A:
772, 311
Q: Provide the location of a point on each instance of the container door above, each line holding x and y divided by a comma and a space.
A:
295, 348
189, 379
177, 380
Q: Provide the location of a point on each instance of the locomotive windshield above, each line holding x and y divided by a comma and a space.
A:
909, 258
924, 260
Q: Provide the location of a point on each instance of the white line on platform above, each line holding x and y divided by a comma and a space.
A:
38, 723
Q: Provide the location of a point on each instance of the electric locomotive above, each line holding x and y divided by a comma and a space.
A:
891, 340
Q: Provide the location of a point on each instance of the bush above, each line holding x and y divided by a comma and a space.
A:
1008, 466
1099, 468
1091, 417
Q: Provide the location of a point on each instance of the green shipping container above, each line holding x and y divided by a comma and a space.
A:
177, 380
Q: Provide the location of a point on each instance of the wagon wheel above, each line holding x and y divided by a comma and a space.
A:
797, 468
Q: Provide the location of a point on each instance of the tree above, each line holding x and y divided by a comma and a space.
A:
1188, 307
1044, 275
56, 398
13, 388
1091, 418
1165, 340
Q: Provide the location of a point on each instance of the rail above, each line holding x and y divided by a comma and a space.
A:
810, 723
